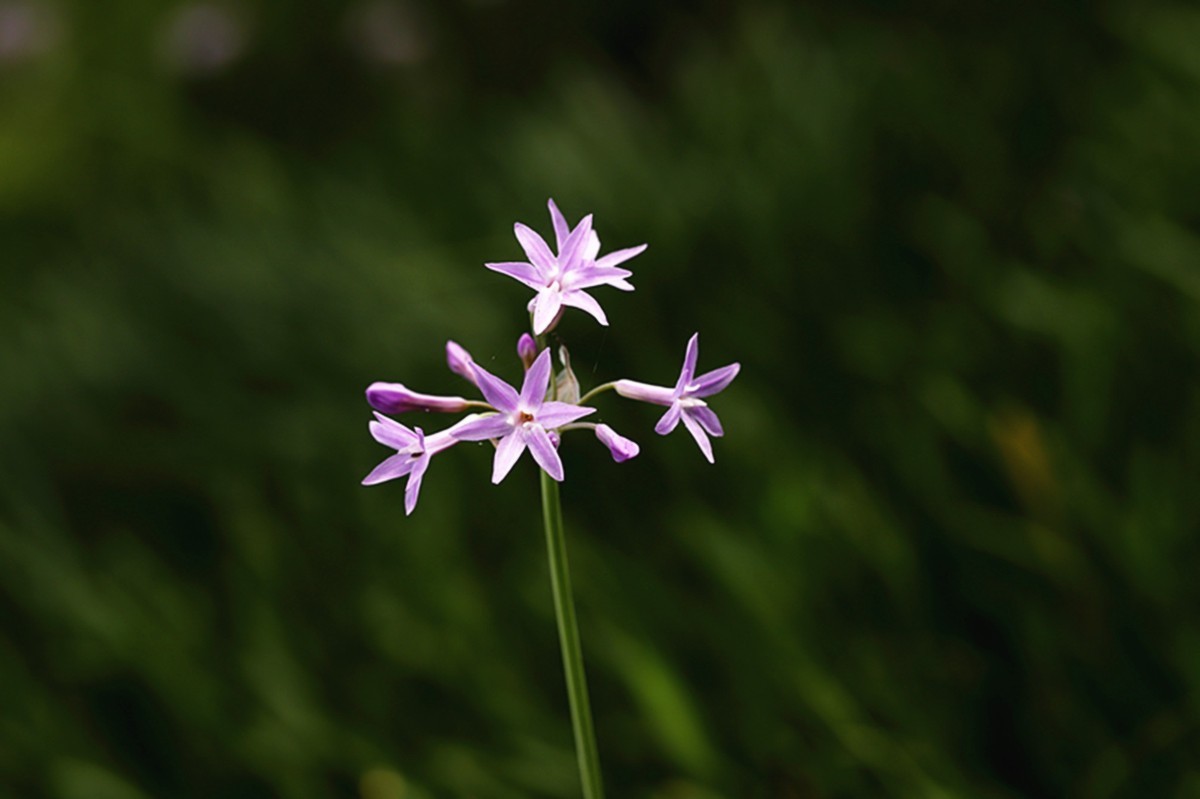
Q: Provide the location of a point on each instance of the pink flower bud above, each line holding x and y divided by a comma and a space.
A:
396, 398
622, 448
527, 349
459, 361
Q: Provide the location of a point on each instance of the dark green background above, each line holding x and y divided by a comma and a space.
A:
949, 547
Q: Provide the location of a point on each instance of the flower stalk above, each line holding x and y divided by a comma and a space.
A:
568, 638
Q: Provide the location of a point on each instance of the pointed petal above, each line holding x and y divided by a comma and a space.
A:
556, 414
390, 468
585, 302
537, 380
526, 273
507, 452
713, 382
644, 392
459, 360
485, 427
621, 256
535, 248
413, 489
561, 228
573, 246
591, 247
585, 277
707, 419
547, 304
669, 419
543, 451
698, 433
391, 433
689, 362
500, 395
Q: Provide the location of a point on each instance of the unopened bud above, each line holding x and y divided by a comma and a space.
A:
396, 398
527, 349
622, 448
459, 361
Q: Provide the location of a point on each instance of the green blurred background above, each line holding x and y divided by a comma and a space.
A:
949, 547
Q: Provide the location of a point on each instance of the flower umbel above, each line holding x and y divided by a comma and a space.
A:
685, 400
560, 278
524, 420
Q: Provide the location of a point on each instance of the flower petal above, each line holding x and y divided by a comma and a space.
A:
390, 468
556, 414
537, 380
713, 382
644, 392
585, 302
500, 395
622, 448
669, 419
571, 249
698, 433
543, 451
591, 248
620, 256
391, 433
689, 362
561, 228
490, 426
707, 419
535, 248
459, 360
546, 306
507, 452
413, 489
526, 273
585, 277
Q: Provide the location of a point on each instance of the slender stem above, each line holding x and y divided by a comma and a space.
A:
568, 638
597, 390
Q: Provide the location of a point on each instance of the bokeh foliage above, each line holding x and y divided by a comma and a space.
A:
949, 545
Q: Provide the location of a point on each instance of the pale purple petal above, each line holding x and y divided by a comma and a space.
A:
499, 394
713, 382
537, 380
526, 273
622, 448
397, 398
571, 248
556, 414
644, 392
585, 302
669, 419
620, 256
392, 467
507, 452
546, 304
391, 433
459, 360
707, 419
585, 277
591, 247
491, 426
413, 489
561, 228
689, 362
701, 438
535, 248
542, 450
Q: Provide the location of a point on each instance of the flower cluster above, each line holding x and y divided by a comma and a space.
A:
547, 404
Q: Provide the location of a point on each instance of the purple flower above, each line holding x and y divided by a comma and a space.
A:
527, 349
622, 448
560, 279
459, 360
413, 451
396, 398
524, 420
685, 400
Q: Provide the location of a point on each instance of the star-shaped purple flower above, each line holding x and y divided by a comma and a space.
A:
413, 451
686, 399
524, 420
560, 279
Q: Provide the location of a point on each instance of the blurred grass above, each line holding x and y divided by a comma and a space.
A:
947, 546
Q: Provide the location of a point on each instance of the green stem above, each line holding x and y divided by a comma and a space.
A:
568, 637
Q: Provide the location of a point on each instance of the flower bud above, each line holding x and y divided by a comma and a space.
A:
622, 448
396, 398
527, 349
459, 361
